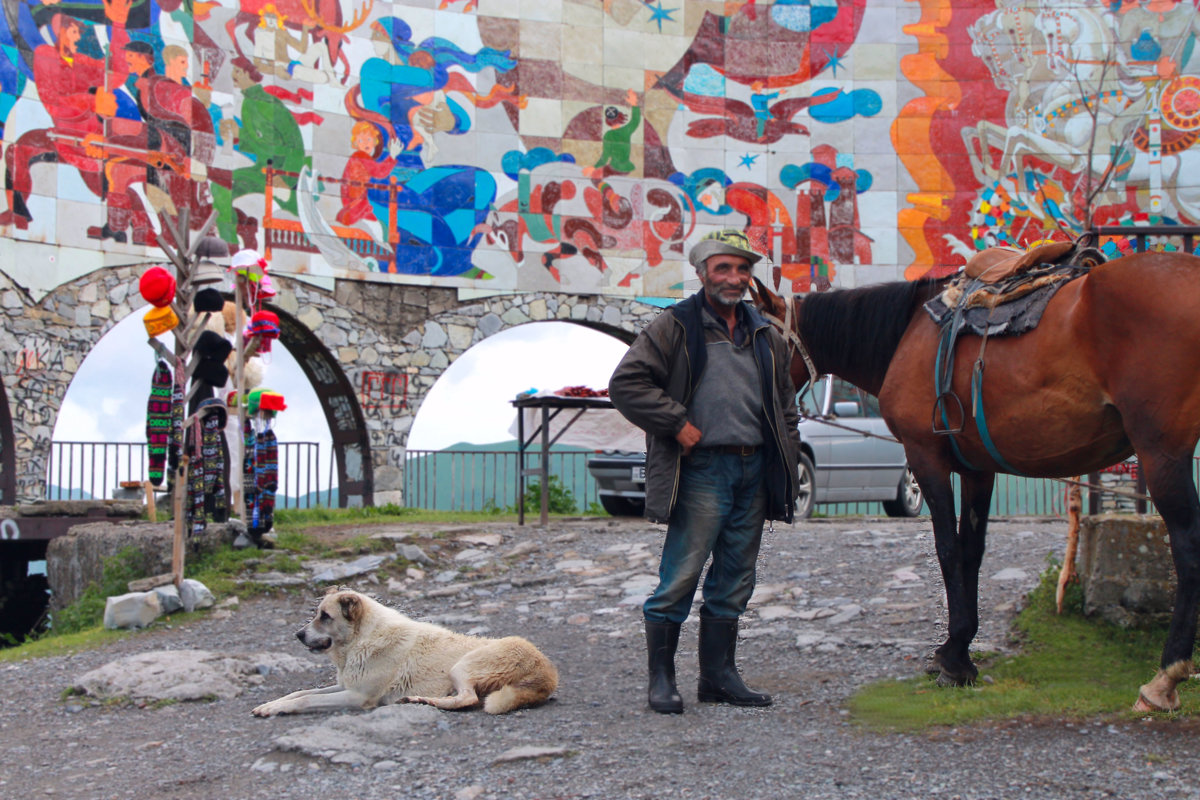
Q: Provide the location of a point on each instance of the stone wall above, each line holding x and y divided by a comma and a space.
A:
387, 345
76, 560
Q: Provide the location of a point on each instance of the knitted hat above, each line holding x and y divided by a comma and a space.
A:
208, 300
729, 242
271, 401
208, 272
212, 346
264, 325
213, 406
210, 250
211, 371
249, 264
160, 320
157, 287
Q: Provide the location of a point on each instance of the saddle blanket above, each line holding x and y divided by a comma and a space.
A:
1008, 308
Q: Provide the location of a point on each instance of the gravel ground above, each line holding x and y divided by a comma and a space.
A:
840, 603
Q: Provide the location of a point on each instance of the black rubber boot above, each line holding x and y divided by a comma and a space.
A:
719, 679
661, 640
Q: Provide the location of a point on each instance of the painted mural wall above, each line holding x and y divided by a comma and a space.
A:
583, 145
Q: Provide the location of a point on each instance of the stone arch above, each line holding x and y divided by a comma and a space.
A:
351, 444
447, 335
44, 340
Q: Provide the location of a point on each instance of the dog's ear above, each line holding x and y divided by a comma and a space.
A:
352, 607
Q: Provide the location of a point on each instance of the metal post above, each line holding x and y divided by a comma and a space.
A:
520, 466
545, 467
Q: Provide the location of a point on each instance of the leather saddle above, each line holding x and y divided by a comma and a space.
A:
997, 264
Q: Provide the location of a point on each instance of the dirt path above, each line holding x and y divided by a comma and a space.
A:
839, 604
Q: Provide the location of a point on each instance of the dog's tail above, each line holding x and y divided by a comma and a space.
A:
514, 696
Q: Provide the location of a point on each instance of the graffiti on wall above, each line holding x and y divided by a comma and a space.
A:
582, 146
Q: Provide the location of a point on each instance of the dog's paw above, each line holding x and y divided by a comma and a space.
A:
266, 710
413, 699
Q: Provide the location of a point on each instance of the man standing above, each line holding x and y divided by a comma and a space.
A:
708, 381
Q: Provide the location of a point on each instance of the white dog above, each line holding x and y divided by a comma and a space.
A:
383, 657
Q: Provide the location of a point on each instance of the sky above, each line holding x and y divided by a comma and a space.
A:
470, 402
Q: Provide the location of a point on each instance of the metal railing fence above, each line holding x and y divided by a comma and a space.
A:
478, 480
96, 470
483, 480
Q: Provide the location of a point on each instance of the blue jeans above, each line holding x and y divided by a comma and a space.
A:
719, 511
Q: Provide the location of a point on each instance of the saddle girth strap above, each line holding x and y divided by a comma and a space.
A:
943, 379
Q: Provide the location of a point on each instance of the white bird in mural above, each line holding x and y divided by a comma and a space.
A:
321, 234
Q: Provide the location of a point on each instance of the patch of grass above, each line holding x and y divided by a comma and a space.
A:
1069, 666
62, 644
88, 611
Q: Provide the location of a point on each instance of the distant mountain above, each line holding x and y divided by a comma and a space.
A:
324, 497
60, 493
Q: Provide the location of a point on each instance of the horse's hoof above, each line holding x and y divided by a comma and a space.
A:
1145, 704
945, 680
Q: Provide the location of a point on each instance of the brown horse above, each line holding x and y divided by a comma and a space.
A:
1112, 369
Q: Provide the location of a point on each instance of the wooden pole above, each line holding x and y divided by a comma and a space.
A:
151, 506
239, 316
177, 544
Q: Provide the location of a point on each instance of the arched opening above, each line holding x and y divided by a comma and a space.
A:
348, 428
99, 436
461, 451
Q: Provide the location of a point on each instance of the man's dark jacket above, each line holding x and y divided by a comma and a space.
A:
653, 385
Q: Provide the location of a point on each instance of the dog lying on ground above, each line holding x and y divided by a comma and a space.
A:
383, 657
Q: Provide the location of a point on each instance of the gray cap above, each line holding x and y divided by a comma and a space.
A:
729, 242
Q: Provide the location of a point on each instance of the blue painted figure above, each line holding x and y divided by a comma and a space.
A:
432, 213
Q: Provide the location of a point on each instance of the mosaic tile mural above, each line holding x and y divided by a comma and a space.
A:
582, 145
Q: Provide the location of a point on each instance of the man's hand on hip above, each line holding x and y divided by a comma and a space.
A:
688, 436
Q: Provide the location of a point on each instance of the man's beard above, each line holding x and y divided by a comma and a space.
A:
723, 299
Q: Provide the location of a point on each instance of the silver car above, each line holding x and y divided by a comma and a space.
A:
852, 458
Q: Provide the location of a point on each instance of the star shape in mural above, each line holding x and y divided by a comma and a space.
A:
659, 14
748, 160
835, 60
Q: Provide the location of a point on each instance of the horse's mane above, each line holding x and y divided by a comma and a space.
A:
862, 327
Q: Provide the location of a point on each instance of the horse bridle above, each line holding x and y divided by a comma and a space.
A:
795, 344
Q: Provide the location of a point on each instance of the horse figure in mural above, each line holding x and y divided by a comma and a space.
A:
1110, 370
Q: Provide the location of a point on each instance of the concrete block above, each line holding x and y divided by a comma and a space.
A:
1126, 570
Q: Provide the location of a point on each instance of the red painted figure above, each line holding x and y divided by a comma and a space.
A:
76, 92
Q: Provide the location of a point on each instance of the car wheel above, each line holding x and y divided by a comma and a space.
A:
804, 493
908, 500
623, 506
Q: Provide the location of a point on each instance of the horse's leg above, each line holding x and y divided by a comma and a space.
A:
933, 477
961, 556
1170, 483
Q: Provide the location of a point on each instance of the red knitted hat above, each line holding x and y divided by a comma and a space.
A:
157, 287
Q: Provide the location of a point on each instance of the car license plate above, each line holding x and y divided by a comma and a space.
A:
639, 474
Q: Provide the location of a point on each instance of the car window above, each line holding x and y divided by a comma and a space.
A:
870, 404
845, 392
809, 400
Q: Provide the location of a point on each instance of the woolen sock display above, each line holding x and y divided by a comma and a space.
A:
158, 421
196, 518
267, 474
175, 447
212, 448
249, 490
